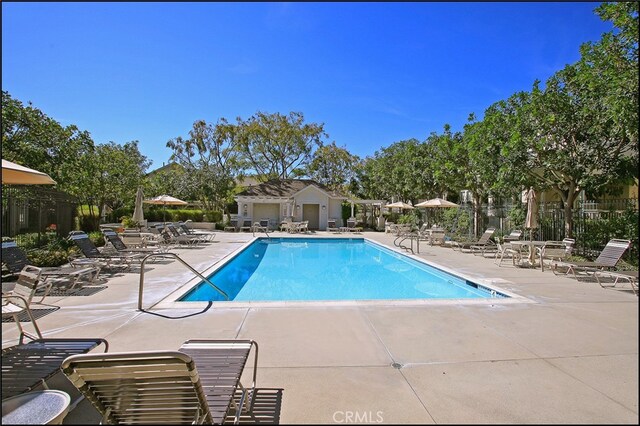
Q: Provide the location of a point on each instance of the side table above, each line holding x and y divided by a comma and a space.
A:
47, 407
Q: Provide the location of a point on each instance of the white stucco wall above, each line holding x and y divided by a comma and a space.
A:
335, 212
267, 210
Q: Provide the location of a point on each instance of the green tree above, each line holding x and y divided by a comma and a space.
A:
400, 171
278, 146
173, 181
210, 158
333, 166
113, 174
31, 138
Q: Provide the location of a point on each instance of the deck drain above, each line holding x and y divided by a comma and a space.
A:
397, 365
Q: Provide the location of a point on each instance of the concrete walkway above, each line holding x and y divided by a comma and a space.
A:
567, 354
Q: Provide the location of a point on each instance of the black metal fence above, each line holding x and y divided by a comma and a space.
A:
594, 223
33, 211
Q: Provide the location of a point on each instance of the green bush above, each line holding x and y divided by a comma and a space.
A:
392, 217
128, 222
212, 216
599, 231
47, 257
97, 238
346, 211
117, 214
457, 222
517, 215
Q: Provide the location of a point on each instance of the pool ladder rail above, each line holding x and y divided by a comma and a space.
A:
257, 227
204, 279
408, 236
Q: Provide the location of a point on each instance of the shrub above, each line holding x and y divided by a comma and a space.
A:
128, 222
599, 231
181, 215
212, 216
47, 257
346, 211
458, 222
97, 238
117, 214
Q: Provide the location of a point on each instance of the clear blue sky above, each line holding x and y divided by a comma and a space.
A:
373, 73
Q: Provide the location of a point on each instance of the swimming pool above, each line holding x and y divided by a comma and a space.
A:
314, 269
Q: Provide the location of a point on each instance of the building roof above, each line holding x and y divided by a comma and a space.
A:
284, 188
169, 166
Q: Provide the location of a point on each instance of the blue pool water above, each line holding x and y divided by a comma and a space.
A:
330, 269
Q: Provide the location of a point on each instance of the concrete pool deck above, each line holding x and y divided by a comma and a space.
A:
567, 355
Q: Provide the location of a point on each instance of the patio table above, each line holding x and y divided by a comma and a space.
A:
531, 246
47, 407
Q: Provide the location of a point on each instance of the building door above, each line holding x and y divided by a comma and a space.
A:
311, 212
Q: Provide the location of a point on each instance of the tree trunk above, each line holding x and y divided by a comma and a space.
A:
568, 198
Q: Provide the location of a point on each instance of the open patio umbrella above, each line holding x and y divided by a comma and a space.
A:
138, 214
166, 200
531, 221
15, 174
436, 202
400, 205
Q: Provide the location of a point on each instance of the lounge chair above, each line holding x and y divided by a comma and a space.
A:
109, 260
483, 241
206, 235
351, 226
117, 243
194, 385
630, 277
247, 225
233, 225
331, 226
515, 235
30, 281
555, 251
608, 258
179, 238
14, 259
26, 366
401, 229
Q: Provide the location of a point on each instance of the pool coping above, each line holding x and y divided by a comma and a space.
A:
171, 301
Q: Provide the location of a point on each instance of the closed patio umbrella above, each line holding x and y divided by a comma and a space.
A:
15, 174
165, 200
138, 214
531, 221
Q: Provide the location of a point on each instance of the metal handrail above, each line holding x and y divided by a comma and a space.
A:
411, 236
140, 290
264, 229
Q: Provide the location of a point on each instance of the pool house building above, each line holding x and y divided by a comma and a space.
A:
290, 199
